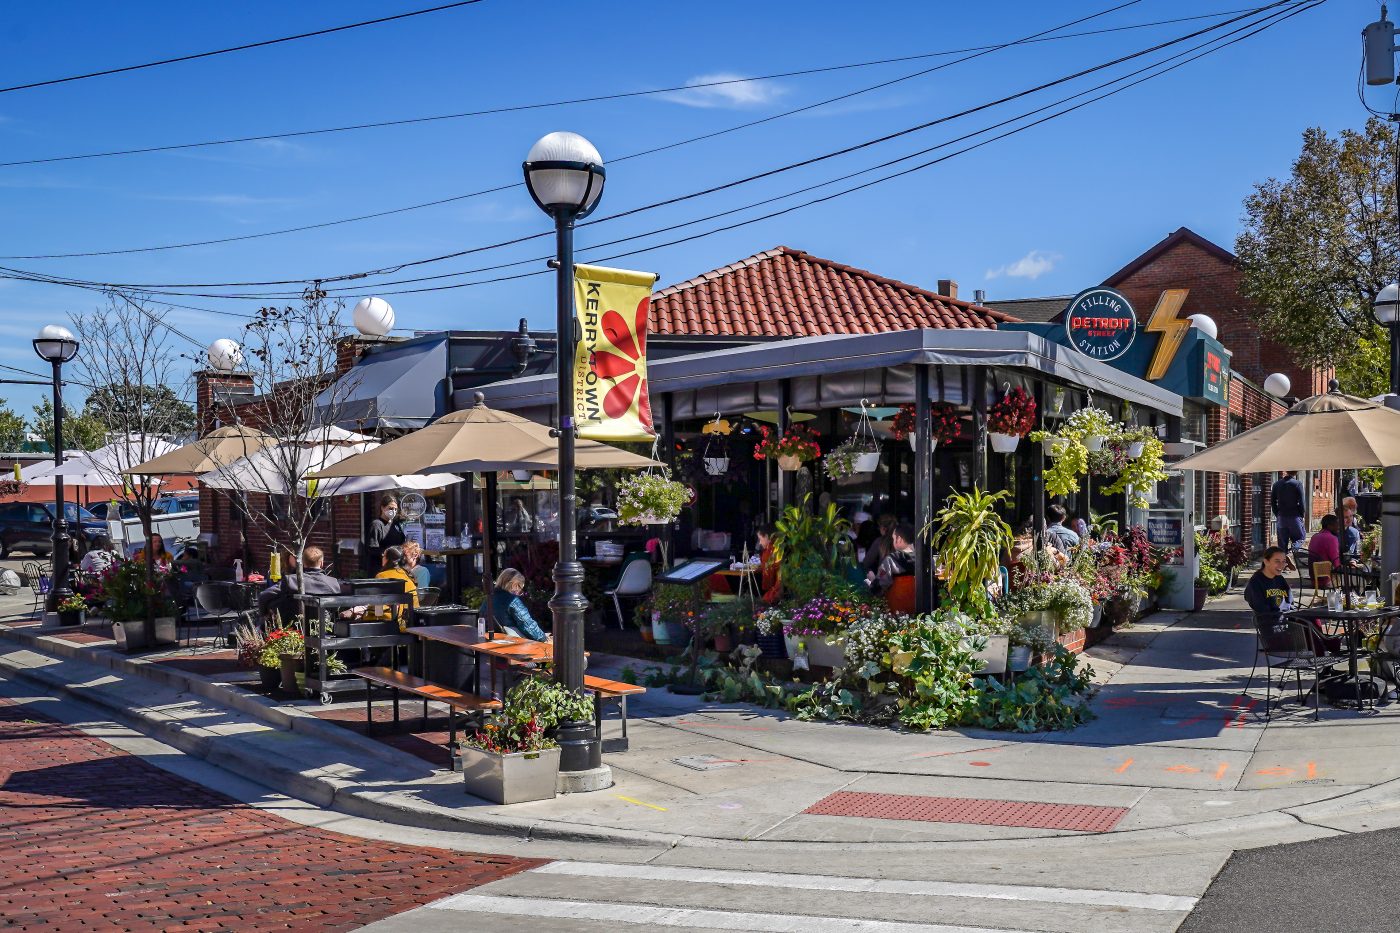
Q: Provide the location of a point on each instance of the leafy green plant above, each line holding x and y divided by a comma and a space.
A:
74, 603
1141, 474
938, 664
1054, 695
1068, 462
127, 593
812, 549
1212, 580
840, 462
546, 702
970, 538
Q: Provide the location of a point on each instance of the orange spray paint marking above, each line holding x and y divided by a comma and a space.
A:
1124, 766
1184, 769
1220, 771
1274, 772
1312, 769
980, 764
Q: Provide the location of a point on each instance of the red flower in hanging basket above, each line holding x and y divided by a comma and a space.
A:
1013, 413
947, 423
797, 441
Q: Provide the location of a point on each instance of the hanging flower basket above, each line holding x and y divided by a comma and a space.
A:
1055, 446
947, 424
859, 453
650, 499
716, 466
1093, 442
798, 443
1004, 443
868, 462
1135, 449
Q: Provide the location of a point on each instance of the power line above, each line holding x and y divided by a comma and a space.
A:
236, 48
163, 287
596, 98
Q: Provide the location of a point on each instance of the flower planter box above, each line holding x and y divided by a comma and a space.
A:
820, 651
73, 617
993, 658
515, 778
1004, 443
1019, 659
135, 634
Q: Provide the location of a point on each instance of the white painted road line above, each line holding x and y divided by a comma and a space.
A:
689, 917
768, 879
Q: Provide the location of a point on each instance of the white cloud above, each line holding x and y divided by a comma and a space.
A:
1030, 266
222, 200
738, 93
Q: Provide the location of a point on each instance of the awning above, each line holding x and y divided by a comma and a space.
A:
842, 369
403, 385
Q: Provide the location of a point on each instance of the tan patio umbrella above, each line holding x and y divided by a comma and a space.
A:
479, 440
1326, 432
216, 449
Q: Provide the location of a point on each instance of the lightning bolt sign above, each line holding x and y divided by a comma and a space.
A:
1173, 329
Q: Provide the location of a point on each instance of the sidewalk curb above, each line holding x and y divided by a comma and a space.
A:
239, 755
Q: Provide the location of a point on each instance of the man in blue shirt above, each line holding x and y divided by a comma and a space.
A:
1064, 539
1287, 500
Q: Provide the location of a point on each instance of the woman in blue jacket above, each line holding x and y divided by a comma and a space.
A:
507, 608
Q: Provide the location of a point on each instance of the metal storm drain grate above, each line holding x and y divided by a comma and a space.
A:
705, 762
969, 810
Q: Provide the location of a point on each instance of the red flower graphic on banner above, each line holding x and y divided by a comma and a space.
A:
629, 384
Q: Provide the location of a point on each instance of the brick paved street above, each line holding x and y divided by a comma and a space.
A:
94, 838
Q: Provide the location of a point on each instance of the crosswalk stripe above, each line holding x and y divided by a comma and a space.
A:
1079, 896
690, 917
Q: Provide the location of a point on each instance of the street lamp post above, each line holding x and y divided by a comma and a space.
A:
56, 345
1387, 313
565, 176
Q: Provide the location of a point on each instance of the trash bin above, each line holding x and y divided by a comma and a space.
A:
446, 664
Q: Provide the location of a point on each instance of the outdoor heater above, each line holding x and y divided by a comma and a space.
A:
565, 176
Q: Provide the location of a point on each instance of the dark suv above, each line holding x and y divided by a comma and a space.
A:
28, 526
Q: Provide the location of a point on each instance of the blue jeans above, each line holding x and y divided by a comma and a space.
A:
1290, 531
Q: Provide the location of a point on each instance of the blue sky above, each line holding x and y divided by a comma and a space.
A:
1047, 211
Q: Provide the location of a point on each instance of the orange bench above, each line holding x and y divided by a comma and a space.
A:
398, 682
604, 690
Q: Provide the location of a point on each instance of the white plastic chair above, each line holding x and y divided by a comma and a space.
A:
635, 581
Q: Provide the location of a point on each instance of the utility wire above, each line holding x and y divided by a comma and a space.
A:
596, 98
634, 155
162, 287
237, 48
1256, 27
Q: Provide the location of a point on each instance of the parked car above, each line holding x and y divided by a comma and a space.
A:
165, 505
28, 526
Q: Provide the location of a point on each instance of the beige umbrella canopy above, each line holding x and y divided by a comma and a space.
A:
1325, 432
216, 449
479, 440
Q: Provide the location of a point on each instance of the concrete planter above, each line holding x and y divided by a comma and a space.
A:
130, 635
993, 658
515, 778
820, 651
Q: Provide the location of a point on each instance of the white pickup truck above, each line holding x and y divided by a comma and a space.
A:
175, 518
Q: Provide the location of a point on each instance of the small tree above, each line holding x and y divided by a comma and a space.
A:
127, 350
1317, 247
290, 355
81, 430
12, 428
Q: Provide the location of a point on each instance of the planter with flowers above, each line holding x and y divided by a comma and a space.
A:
143, 614
650, 499
947, 425
515, 757
1141, 473
72, 611
859, 453
817, 629
1092, 427
794, 447
1009, 419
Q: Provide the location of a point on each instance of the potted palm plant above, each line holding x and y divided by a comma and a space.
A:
969, 537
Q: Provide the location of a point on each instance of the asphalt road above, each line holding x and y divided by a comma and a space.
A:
1341, 883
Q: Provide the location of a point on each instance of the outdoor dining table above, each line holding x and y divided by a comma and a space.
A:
1352, 622
466, 637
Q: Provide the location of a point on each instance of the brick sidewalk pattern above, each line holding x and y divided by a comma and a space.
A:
92, 838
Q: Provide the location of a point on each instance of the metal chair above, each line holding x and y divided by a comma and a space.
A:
634, 581
374, 586
1288, 645
1301, 560
215, 604
40, 582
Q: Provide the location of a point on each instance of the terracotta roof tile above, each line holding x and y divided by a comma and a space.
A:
785, 292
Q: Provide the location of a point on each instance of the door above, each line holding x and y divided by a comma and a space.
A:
1258, 510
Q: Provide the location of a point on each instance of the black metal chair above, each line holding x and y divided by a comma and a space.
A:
1302, 560
374, 586
40, 580
1289, 645
216, 604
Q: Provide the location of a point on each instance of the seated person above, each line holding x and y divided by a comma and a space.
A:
879, 547
281, 596
507, 608
1326, 546
1063, 538
899, 562
395, 568
99, 557
1267, 593
163, 558
769, 582
1350, 530
413, 557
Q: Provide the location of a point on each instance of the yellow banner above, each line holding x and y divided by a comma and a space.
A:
610, 369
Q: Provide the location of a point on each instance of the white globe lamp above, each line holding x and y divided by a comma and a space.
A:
225, 355
1387, 305
373, 317
565, 175
1205, 324
56, 344
1278, 385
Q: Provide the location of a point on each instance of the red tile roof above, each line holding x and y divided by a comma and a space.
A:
785, 292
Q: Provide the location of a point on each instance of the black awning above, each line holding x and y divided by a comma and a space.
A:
401, 386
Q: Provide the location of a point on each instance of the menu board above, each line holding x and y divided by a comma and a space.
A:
691, 572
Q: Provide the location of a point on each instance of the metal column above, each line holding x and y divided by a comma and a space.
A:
923, 489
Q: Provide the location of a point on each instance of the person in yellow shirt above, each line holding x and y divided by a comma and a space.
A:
395, 568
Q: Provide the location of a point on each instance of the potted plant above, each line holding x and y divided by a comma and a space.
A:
1142, 472
515, 757
794, 447
1028, 641
1069, 461
650, 499
282, 654
947, 424
72, 610
251, 640
674, 608
1092, 426
816, 629
642, 616
1009, 419
1135, 440
849, 458
142, 614
970, 537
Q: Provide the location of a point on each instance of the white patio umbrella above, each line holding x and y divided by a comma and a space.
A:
101, 467
269, 470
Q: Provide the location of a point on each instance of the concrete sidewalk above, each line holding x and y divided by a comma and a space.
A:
1176, 751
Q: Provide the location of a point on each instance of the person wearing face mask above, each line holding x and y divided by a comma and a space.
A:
385, 531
